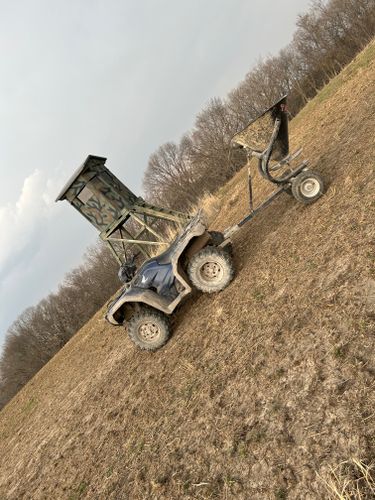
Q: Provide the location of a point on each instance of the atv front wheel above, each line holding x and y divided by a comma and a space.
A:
307, 187
149, 329
211, 269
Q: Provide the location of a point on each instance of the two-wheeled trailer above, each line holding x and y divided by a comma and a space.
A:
271, 128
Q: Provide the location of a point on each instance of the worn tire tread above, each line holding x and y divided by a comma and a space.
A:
197, 261
152, 314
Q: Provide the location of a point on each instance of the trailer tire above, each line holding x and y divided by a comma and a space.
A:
149, 329
211, 270
307, 187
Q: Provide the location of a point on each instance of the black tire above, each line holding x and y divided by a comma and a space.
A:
211, 270
307, 187
149, 329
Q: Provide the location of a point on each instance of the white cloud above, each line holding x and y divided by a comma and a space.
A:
41, 241
23, 220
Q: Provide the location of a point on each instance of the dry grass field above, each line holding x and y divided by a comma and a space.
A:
266, 390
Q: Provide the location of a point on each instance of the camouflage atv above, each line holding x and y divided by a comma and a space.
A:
197, 259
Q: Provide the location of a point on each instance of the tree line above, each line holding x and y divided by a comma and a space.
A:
327, 37
42, 330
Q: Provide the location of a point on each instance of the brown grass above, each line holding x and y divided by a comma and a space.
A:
350, 479
209, 207
265, 390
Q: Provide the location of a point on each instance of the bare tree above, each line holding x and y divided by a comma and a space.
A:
40, 331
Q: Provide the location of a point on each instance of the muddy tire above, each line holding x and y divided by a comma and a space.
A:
211, 269
307, 187
149, 329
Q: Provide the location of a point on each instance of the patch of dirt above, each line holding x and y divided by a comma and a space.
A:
265, 388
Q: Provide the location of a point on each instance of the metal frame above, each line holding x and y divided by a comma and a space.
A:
117, 232
264, 168
122, 208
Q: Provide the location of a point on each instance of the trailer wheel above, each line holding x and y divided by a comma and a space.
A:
307, 187
211, 269
149, 329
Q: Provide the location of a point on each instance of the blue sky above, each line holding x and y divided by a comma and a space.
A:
115, 79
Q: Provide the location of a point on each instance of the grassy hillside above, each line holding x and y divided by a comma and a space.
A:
266, 390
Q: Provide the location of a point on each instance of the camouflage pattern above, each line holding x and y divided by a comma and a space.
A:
109, 197
114, 210
257, 134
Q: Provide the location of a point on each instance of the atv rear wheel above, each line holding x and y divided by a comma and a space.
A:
149, 329
211, 269
307, 187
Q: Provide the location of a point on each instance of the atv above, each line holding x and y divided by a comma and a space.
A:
197, 258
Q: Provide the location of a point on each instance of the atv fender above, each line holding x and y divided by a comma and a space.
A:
189, 242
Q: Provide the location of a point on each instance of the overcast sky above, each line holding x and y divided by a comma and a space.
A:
115, 78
